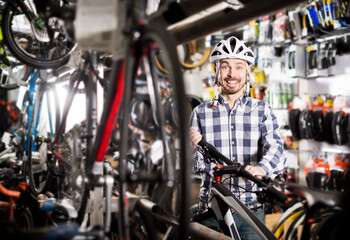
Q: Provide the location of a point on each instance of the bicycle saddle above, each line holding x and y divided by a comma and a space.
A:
316, 197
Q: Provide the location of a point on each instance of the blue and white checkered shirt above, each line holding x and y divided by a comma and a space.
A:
247, 134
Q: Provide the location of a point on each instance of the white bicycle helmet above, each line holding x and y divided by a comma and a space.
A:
232, 48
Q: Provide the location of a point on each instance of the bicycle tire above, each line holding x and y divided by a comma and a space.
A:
39, 183
24, 219
150, 39
279, 230
293, 228
327, 227
186, 64
35, 53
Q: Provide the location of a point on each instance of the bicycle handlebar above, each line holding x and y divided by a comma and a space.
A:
238, 169
214, 152
10, 193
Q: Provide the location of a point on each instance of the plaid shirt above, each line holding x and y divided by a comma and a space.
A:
247, 134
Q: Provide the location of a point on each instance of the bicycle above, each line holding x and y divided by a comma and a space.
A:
38, 122
223, 203
307, 204
34, 38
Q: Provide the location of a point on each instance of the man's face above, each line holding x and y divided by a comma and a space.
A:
233, 74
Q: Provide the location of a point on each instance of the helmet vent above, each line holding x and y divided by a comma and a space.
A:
239, 50
248, 54
215, 53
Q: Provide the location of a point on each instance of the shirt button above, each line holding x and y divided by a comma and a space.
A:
233, 158
232, 127
233, 142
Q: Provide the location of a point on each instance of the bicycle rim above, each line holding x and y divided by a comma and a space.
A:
31, 45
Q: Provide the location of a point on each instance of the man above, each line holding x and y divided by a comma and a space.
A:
242, 128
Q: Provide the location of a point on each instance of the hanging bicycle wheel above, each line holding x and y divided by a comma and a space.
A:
28, 39
174, 161
191, 54
43, 125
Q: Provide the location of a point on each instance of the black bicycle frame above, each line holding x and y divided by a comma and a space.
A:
223, 200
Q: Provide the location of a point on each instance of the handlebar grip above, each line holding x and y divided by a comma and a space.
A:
279, 196
237, 168
214, 152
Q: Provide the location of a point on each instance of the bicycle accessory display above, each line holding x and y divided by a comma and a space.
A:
296, 61
281, 28
305, 22
319, 133
293, 117
265, 30
317, 172
315, 18
295, 24
311, 60
306, 124
331, 53
322, 59
339, 127
328, 119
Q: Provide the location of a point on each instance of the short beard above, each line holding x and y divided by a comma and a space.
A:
225, 90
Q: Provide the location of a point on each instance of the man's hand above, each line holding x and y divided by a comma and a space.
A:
255, 171
195, 137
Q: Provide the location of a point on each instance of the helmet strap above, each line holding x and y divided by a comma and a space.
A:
216, 85
247, 84
217, 73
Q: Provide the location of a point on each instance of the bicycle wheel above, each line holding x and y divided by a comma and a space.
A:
24, 219
29, 41
328, 226
175, 158
192, 55
43, 125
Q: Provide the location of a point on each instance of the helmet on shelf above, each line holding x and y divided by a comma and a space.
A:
232, 48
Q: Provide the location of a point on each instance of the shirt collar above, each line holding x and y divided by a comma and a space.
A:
242, 101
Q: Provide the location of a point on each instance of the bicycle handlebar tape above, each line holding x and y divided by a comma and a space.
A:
214, 152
